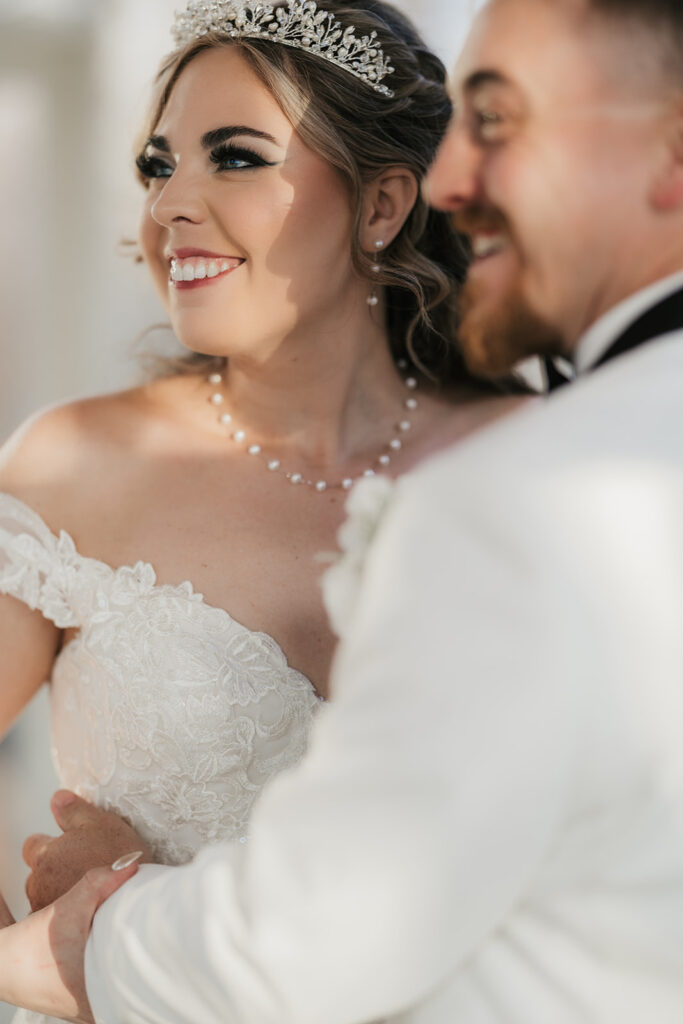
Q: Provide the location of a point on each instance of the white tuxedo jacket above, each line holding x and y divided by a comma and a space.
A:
488, 828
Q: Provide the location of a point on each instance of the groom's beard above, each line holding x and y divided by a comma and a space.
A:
494, 337
497, 331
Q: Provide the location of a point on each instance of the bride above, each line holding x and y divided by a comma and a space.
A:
285, 232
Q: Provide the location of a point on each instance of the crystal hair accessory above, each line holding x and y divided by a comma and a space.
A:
296, 23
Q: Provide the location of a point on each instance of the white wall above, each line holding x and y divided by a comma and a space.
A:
73, 80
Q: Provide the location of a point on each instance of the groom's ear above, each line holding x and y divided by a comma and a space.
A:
667, 189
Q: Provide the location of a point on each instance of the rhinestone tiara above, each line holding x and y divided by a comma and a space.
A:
297, 23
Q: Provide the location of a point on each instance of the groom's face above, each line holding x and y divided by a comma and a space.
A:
545, 168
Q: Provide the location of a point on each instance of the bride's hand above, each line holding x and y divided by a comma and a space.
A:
42, 957
92, 838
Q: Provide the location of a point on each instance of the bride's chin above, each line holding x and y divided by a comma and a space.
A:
202, 348
201, 342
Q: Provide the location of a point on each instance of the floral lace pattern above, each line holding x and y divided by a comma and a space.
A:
366, 507
164, 709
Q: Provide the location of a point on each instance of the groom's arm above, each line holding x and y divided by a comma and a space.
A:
435, 782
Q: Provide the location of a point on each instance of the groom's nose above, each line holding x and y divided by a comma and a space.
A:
454, 179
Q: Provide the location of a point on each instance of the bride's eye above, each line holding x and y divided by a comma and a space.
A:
236, 158
151, 168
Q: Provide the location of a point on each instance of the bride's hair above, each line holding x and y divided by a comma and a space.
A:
360, 132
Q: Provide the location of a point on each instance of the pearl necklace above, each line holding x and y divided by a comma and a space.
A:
383, 460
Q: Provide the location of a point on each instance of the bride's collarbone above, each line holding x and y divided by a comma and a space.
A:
257, 563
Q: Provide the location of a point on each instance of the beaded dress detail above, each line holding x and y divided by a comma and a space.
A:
164, 709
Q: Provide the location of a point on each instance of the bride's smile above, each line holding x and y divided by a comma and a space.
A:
190, 268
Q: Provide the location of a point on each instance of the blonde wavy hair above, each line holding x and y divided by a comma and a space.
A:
361, 132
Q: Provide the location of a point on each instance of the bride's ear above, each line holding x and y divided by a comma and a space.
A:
388, 201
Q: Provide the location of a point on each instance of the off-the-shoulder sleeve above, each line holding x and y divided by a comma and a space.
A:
36, 566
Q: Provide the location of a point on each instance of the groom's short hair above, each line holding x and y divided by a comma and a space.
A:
662, 17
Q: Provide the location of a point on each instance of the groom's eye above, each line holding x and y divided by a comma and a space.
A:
490, 124
493, 114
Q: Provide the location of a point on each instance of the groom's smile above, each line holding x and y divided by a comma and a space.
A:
485, 246
495, 262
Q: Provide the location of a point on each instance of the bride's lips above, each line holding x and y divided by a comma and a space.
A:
198, 268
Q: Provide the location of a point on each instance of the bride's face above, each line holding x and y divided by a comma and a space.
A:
256, 226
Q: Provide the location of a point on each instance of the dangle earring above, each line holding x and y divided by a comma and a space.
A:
373, 297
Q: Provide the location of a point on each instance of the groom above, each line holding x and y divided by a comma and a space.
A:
488, 827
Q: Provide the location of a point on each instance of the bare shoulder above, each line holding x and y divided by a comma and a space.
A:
57, 450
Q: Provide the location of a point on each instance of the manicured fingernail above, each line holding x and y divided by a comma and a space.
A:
64, 798
125, 862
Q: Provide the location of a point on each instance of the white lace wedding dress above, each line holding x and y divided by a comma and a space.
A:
164, 709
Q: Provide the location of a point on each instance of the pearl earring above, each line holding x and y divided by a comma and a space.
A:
373, 297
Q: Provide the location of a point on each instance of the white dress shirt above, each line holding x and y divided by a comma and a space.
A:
488, 827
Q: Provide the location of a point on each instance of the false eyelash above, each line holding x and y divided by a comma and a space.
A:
147, 165
222, 154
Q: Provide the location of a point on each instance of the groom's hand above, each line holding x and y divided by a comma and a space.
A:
42, 957
92, 838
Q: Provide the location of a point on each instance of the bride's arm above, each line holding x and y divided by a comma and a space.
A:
28, 644
28, 641
41, 957
43, 467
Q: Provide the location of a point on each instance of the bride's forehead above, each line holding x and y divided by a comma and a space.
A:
217, 80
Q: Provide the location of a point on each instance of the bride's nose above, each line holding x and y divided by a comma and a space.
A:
180, 199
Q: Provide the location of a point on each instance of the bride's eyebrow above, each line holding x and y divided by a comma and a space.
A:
225, 134
213, 138
159, 142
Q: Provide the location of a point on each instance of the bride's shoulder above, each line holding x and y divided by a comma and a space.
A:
62, 446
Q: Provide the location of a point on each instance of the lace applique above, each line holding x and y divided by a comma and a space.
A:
366, 507
40, 569
191, 717
164, 709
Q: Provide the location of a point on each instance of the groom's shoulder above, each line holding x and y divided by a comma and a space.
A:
631, 409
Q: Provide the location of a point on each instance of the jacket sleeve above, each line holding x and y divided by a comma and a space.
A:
435, 784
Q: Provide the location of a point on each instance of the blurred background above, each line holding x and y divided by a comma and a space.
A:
74, 79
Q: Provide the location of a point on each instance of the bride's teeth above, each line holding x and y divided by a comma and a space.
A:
197, 269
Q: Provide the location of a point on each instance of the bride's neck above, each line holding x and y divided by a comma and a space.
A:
323, 398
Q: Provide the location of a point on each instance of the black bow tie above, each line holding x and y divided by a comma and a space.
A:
661, 319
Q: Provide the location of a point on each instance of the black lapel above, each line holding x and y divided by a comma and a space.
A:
554, 378
666, 316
